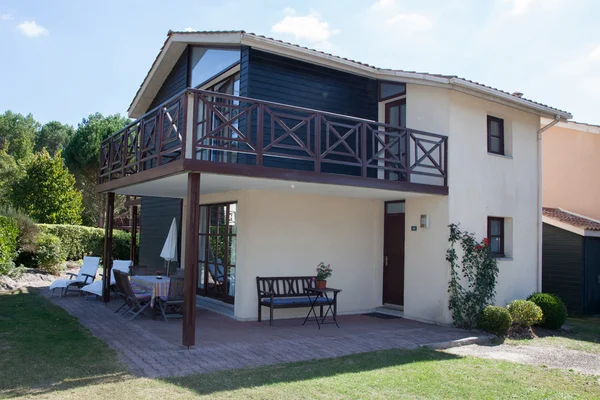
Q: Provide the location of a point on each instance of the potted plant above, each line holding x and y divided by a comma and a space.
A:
323, 272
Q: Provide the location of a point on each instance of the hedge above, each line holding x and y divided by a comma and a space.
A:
9, 233
76, 240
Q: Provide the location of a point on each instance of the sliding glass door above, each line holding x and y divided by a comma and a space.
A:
217, 247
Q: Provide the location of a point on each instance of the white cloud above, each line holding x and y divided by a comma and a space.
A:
411, 21
189, 29
32, 29
522, 7
595, 54
383, 4
6, 17
309, 28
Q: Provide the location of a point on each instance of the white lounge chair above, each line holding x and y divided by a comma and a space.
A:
87, 274
95, 288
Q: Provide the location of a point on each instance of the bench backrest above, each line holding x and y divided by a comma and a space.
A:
284, 286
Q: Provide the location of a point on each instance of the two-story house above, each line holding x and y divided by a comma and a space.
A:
276, 157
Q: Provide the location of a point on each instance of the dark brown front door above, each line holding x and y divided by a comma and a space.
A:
393, 254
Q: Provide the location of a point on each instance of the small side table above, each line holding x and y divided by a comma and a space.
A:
313, 295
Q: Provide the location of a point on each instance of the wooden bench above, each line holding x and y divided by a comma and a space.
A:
285, 292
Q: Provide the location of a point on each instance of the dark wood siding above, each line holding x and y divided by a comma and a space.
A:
158, 212
288, 81
591, 298
176, 81
155, 221
562, 266
279, 79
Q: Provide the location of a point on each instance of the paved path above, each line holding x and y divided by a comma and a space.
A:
153, 348
552, 357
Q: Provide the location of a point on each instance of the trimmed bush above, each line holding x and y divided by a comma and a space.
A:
496, 320
79, 240
553, 308
524, 313
49, 255
9, 233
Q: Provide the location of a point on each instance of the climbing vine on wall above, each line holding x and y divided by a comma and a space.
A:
473, 277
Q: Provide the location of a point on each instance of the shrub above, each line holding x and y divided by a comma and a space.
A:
473, 275
553, 309
28, 229
50, 257
524, 313
496, 320
9, 233
27, 239
79, 240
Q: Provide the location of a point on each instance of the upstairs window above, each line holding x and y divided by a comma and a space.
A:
495, 135
389, 90
496, 235
207, 63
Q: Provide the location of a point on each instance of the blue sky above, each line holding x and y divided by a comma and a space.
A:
63, 60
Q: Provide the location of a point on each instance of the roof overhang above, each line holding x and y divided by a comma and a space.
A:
177, 41
576, 126
570, 228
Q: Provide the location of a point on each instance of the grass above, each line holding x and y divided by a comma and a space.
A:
583, 336
40, 344
46, 354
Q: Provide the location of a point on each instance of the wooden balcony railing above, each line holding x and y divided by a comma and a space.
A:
220, 128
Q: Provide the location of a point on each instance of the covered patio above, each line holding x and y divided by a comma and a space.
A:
153, 348
298, 186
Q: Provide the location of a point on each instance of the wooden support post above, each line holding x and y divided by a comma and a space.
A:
190, 279
133, 247
108, 235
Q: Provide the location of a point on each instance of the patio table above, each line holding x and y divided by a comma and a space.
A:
314, 294
157, 287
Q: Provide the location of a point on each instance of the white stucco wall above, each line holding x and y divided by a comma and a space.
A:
426, 272
480, 185
287, 234
484, 185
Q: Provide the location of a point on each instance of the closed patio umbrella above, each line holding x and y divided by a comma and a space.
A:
169, 250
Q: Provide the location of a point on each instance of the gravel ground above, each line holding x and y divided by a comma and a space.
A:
552, 357
32, 278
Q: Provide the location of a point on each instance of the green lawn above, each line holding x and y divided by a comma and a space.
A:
44, 353
584, 336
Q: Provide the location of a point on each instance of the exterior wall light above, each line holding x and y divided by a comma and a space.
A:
424, 221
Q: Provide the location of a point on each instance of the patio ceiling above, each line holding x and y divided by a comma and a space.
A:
175, 186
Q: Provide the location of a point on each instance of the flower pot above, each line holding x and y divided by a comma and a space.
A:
321, 284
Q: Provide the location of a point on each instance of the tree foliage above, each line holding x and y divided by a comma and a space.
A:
83, 150
17, 134
82, 157
10, 171
47, 191
53, 136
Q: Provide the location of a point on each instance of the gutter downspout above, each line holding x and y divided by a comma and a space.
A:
556, 120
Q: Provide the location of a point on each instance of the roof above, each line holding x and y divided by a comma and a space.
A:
562, 217
575, 126
176, 41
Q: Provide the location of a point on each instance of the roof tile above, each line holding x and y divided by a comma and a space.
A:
572, 219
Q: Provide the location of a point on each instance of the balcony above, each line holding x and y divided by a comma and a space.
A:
212, 132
